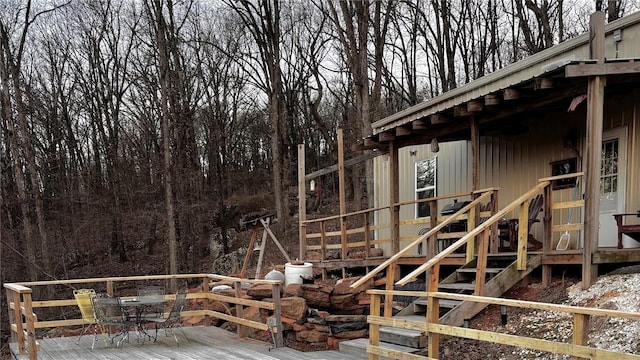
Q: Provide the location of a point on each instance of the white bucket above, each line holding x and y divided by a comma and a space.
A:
293, 274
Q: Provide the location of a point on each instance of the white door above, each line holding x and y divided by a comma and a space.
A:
612, 183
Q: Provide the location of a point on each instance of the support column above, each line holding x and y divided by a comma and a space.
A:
475, 152
595, 105
302, 204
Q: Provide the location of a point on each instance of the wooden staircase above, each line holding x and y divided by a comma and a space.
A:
501, 276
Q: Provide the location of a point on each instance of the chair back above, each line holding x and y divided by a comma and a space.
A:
535, 208
153, 292
108, 310
178, 305
84, 299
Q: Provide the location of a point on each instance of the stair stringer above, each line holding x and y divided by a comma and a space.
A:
497, 286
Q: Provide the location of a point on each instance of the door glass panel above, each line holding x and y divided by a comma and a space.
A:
609, 176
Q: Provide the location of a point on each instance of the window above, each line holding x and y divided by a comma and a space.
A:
609, 175
425, 184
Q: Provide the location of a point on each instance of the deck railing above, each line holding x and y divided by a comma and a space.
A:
23, 308
332, 234
576, 349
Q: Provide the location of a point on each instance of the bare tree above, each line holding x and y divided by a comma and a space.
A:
262, 21
21, 137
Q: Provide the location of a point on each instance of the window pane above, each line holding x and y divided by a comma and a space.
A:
423, 208
425, 173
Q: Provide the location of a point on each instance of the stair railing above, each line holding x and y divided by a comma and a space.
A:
484, 229
429, 236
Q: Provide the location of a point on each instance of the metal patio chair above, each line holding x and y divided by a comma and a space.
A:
173, 319
109, 314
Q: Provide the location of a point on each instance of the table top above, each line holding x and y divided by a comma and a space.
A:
142, 301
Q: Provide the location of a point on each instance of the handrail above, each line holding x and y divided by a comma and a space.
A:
578, 347
420, 239
471, 234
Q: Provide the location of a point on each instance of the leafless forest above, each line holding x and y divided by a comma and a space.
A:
145, 124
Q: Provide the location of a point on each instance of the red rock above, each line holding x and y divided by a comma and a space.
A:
343, 286
293, 307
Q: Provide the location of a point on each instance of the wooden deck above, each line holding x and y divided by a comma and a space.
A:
203, 342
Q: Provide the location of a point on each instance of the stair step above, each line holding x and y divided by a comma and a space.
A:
405, 337
457, 286
420, 305
474, 270
358, 348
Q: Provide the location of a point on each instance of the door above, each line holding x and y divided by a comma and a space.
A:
612, 183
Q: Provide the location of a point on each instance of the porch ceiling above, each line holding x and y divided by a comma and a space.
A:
501, 110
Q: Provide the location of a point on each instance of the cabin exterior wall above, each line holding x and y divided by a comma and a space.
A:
511, 162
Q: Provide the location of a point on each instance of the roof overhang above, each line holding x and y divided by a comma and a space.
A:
546, 81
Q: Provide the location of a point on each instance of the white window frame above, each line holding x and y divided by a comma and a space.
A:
433, 187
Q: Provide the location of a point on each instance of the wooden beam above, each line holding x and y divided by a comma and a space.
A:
420, 124
475, 152
302, 204
342, 193
353, 161
511, 94
461, 110
474, 106
403, 131
617, 68
595, 105
543, 83
439, 119
386, 136
370, 143
492, 100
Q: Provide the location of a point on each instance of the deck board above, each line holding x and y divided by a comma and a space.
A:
203, 342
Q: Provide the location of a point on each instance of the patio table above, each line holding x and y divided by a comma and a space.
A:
139, 307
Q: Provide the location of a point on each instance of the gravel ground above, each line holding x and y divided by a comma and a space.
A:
619, 290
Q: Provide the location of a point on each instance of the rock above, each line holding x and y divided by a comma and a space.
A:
293, 307
260, 291
342, 302
312, 336
229, 263
375, 252
314, 255
316, 295
343, 286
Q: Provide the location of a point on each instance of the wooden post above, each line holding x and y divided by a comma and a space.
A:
495, 241
302, 203
481, 266
394, 197
277, 313
374, 329
323, 240
110, 287
239, 309
471, 223
475, 152
547, 241
523, 235
580, 331
433, 311
388, 299
367, 235
18, 336
31, 329
595, 105
343, 201
432, 242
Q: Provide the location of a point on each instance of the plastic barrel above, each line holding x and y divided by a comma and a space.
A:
293, 274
